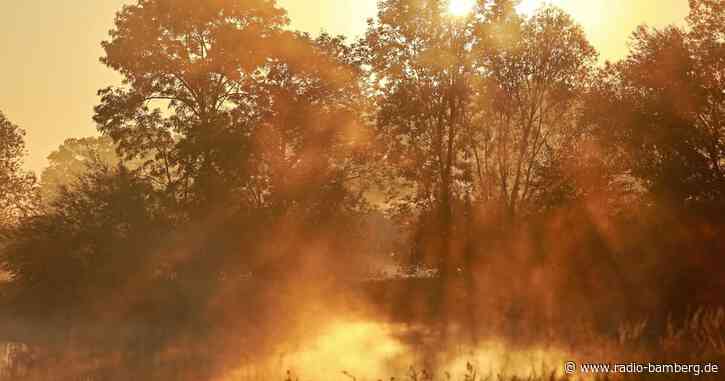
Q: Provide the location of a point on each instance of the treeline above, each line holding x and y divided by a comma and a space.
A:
244, 169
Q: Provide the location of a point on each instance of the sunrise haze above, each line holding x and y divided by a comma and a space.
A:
50, 69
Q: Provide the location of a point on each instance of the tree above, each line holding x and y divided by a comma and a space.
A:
89, 242
247, 102
706, 37
305, 164
421, 68
474, 112
201, 60
17, 187
71, 160
659, 112
477, 109
310, 145
262, 127
527, 104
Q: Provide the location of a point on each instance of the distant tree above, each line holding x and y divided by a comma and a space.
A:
87, 245
72, 159
18, 196
706, 23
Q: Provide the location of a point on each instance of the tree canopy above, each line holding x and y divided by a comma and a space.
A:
660, 110
71, 160
17, 186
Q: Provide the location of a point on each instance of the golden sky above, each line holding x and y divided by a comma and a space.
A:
49, 68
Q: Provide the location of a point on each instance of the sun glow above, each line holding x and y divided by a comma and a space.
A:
529, 7
460, 7
368, 350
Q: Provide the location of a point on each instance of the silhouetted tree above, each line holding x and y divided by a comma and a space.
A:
201, 60
309, 146
305, 166
93, 239
421, 68
17, 187
72, 159
232, 79
532, 73
261, 141
659, 112
656, 120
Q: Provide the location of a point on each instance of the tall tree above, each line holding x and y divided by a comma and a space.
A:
17, 187
311, 139
423, 68
248, 102
659, 111
480, 107
262, 126
526, 103
706, 35
202, 61
420, 61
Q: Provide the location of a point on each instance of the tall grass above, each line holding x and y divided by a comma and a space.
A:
698, 338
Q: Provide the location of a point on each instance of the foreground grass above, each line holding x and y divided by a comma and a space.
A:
698, 339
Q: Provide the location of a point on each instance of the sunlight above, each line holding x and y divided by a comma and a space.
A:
364, 349
529, 7
359, 347
461, 7
367, 349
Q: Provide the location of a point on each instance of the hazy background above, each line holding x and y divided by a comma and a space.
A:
50, 70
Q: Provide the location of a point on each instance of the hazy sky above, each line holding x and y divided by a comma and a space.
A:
49, 68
